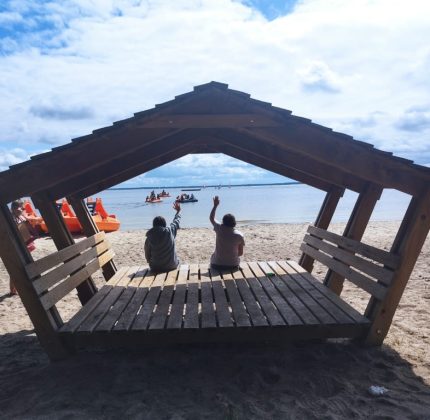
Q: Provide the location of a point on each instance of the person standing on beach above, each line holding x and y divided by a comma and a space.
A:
229, 241
160, 249
28, 233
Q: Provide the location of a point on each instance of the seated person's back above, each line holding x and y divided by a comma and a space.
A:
160, 248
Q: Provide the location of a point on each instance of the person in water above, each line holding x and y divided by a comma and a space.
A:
229, 241
160, 249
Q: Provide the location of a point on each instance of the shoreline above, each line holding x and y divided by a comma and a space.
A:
249, 381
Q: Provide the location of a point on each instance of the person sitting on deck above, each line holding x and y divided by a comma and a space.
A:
160, 250
229, 241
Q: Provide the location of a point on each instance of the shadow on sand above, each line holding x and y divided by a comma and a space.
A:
305, 380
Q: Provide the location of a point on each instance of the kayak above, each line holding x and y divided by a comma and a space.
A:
104, 221
155, 200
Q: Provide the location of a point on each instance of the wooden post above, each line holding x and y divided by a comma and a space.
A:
355, 228
62, 239
323, 220
408, 243
15, 256
90, 228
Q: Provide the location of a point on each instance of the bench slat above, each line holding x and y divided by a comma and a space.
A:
380, 273
38, 267
370, 286
63, 271
177, 311
208, 311
241, 318
49, 299
376, 254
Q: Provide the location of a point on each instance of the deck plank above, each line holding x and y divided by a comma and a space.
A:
353, 313
126, 319
120, 305
255, 314
74, 323
161, 313
191, 318
313, 306
142, 319
327, 304
240, 315
222, 309
178, 303
260, 295
208, 311
99, 313
261, 270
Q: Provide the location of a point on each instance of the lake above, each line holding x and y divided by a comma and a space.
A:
296, 203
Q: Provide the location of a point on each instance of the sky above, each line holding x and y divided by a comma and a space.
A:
68, 67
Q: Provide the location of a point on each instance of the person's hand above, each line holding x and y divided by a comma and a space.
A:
216, 201
177, 206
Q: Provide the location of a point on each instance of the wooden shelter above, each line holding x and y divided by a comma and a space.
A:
262, 301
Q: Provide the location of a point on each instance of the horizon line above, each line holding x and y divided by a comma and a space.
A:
205, 186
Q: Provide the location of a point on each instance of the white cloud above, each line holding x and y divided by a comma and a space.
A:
12, 157
105, 60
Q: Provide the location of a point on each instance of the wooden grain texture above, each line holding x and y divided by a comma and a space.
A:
191, 317
208, 318
241, 317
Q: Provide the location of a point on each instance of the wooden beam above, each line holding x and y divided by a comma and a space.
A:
322, 221
48, 170
62, 238
90, 228
274, 167
407, 244
293, 160
132, 172
118, 166
345, 155
355, 228
211, 121
15, 256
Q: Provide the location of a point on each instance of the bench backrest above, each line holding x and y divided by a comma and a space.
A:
367, 267
56, 275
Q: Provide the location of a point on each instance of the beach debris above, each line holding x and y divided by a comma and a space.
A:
377, 391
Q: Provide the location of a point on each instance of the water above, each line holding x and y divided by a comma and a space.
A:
261, 204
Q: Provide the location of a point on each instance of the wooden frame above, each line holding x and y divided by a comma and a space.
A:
215, 119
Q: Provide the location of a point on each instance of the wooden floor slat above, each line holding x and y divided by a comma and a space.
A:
255, 314
178, 303
222, 310
191, 317
265, 303
260, 295
353, 313
240, 315
208, 310
109, 320
127, 317
261, 270
142, 319
98, 314
74, 323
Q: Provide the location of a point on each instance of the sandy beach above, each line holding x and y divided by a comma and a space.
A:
328, 380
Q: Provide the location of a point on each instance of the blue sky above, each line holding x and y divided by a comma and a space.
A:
71, 66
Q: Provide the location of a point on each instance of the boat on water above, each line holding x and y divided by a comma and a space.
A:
164, 194
186, 198
104, 221
153, 200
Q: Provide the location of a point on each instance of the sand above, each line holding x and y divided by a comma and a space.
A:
328, 380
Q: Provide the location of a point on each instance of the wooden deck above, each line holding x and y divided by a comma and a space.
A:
261, 301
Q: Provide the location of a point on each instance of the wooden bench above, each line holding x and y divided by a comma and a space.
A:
262, 301
369, 268
56, 275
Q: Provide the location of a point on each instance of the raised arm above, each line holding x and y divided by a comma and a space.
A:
213, 211
174, 226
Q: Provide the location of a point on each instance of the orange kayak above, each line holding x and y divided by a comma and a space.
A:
104, 221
